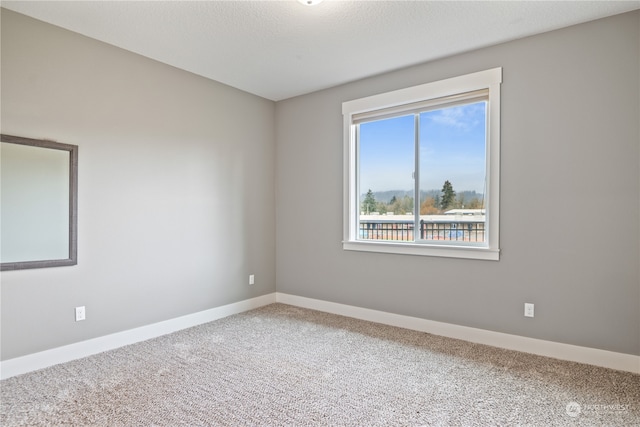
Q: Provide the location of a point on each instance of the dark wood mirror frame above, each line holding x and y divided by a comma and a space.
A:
72, 259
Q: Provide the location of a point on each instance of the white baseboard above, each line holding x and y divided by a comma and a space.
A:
592, 356
574, 353
32, 362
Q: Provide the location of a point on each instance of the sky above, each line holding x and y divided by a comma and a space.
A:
451, 147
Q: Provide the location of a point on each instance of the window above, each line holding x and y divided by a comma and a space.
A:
422, 169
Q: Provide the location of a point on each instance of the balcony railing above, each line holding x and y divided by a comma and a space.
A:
456, 229
468, 231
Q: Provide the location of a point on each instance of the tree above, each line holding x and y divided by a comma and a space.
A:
369, 203
475, 204
405, 205
429, 207
448, 195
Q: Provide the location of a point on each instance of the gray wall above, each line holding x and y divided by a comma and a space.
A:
176, 187
570, 190
179, 192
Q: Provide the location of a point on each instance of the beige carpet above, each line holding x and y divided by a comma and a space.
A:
285, 366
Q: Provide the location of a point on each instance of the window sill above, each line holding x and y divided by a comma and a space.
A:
467, 252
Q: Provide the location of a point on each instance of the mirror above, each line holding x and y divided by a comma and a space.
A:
38, 203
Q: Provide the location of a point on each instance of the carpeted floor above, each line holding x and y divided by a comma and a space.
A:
286, 366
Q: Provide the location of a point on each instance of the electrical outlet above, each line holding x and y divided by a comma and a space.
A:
80, 313
528, 309
252, 279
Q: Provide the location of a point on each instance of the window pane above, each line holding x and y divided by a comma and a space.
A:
386, 186
453, 173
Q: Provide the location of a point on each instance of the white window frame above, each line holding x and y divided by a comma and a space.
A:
488, 79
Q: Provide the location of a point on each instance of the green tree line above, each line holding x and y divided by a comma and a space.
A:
432, 205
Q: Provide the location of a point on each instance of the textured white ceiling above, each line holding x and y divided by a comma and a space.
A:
280, 49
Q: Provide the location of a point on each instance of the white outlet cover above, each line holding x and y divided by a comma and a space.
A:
528, 309
80, 313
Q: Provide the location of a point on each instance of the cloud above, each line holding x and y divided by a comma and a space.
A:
463, 117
